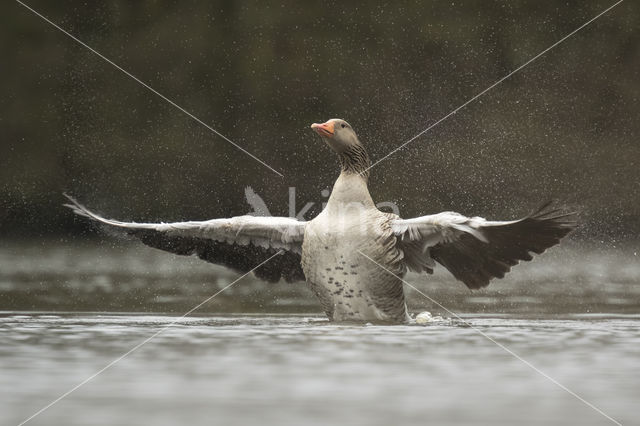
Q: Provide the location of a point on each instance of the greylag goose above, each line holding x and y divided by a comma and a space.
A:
336, 252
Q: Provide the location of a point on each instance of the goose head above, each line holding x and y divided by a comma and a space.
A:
337, 133
341, 137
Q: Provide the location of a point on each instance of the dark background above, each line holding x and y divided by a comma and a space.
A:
566, 127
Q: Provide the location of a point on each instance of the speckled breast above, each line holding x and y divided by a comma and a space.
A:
350, 286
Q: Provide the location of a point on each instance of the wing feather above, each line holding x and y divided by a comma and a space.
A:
239, 242
475, 250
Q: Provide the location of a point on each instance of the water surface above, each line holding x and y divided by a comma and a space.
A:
293, 370
68, 309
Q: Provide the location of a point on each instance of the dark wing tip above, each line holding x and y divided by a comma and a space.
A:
559, 215
476, 263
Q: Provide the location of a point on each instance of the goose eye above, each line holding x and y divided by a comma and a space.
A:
344, 125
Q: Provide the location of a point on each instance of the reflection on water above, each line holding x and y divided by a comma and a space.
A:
573, 314
301, 370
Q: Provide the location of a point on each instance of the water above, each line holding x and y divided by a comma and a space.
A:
292, 370
572, 315
115, 276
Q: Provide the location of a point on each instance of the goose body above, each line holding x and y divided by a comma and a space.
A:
340, 276
352, 255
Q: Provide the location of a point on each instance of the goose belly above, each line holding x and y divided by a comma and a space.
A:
349, 286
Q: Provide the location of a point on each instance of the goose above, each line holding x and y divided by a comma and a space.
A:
352, 255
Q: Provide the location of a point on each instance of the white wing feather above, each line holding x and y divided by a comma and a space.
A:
268, 232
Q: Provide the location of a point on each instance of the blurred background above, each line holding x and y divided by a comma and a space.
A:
565, 127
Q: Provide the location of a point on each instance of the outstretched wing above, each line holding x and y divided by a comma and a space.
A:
239, 243
475, 250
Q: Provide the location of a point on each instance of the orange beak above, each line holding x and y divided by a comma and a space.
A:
324, 129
